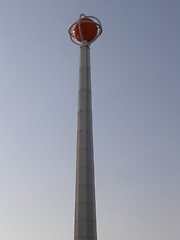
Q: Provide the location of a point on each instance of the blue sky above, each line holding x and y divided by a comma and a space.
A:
136, 116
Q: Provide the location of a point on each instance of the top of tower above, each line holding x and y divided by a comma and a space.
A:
85, 30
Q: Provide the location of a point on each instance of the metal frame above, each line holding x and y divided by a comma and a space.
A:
78, 21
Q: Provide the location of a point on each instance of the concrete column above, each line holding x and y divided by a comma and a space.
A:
85, 210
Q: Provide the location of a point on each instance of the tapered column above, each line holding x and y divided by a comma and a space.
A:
85, 210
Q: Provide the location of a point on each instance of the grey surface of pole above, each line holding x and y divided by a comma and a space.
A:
85, 209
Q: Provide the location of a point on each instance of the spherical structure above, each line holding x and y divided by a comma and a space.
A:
85, 30
88, 30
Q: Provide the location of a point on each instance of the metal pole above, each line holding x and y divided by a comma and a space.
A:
85, 209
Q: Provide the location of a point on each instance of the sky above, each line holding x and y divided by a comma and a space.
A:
136, 118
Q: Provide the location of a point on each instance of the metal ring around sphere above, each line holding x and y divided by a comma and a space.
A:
84, 42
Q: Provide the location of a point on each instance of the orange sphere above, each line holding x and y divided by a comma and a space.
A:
88, 30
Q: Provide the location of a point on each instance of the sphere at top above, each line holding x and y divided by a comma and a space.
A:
88, 30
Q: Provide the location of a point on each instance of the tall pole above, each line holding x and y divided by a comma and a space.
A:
85, 210
85, 207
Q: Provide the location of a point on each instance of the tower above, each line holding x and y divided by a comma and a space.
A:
83, 32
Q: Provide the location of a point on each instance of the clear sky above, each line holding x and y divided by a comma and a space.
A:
136, 118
